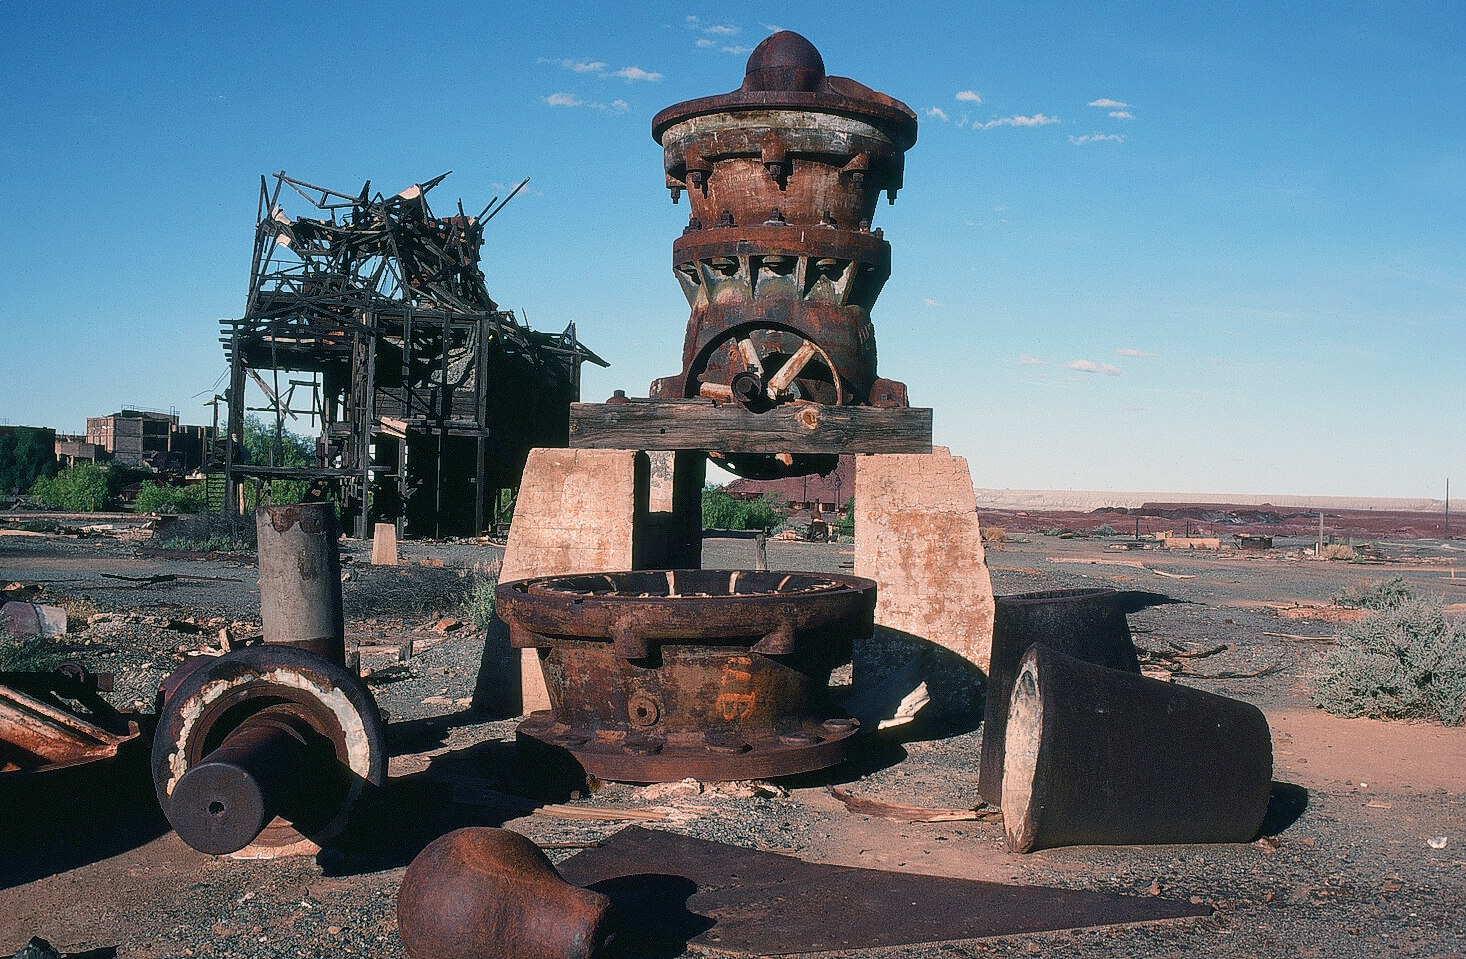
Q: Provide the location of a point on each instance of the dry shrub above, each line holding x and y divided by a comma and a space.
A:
1340, 551
992, 536
1403, 661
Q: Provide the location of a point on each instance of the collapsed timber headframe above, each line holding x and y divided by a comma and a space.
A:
371, 318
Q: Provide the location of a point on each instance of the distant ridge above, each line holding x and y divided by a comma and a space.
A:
1085, 500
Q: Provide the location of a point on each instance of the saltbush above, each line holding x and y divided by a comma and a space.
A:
1403, 661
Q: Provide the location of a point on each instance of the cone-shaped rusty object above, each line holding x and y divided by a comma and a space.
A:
1099, 756
481, 893
1088, 624
778, 261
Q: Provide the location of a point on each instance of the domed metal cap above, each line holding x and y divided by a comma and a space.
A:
785, 61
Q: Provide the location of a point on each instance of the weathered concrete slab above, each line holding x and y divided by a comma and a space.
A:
575, 513
917, 536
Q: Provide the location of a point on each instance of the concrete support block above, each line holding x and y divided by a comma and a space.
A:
917, 536
384, 544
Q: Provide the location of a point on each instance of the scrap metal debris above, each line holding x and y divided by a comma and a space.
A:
670, 891
900, 813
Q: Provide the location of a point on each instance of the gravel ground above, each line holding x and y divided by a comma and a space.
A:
97, 872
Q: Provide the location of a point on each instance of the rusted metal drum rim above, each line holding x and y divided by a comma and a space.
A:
695, 605
279, 686
803, 748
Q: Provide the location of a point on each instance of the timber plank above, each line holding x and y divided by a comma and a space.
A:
641, 424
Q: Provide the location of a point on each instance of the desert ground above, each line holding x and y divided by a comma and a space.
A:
1352, 863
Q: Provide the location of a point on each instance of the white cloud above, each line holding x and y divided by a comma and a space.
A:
1098, 138
704, 42
584, 66
1122, 115
934, 304
571, 100
1090, 366
771, 27
1132, 352
721, 30
937, 113
1037, 120
735, 50
632, 74
1108, 104
1027, 360
969, 96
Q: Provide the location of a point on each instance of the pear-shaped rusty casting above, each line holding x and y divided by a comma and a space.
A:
482, 893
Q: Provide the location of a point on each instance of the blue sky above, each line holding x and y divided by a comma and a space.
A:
1207, 247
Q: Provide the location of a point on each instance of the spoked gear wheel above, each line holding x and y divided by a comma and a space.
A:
762, 367
759, 368
266, 745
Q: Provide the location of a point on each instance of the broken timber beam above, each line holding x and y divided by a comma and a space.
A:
696, 424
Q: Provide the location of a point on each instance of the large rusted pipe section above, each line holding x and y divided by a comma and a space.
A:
300, 578
779, 261
1088, 624
714, 674
266, 745
1098, 756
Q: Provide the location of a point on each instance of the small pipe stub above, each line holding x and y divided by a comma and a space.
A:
482, 893
300, 578
1099, 756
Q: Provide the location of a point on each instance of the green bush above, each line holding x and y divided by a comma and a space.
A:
1404, 661
84, 488
721, 511
157, 498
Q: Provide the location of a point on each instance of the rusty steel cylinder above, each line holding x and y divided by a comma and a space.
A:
1088, 624
779, 262
264, 746
1100, 756
482, 893
300, 578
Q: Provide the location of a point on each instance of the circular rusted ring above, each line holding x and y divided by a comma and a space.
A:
218, 694
708, 605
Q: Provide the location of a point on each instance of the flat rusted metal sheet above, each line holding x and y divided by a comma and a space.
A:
669, 888
36, 736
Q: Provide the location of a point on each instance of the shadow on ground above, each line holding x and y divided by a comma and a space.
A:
60, 820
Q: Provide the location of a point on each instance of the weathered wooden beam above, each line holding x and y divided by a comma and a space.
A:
640, 424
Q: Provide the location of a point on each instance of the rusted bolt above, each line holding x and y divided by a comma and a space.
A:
643, 710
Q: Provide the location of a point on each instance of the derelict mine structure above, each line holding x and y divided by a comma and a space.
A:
372, 317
